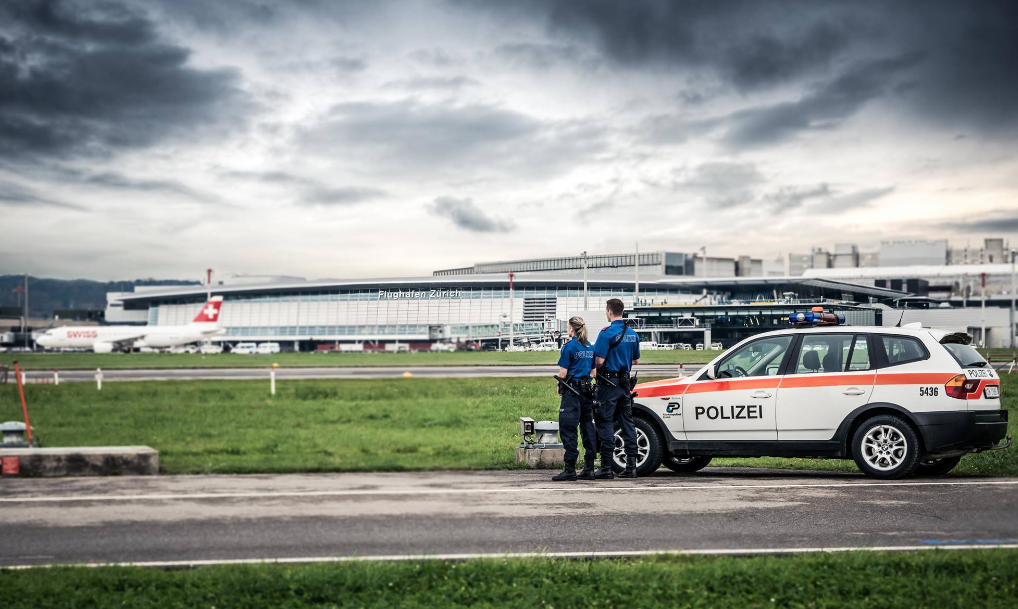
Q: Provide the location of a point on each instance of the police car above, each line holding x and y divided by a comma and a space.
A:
899, 401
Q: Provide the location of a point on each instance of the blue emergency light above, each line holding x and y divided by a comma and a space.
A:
816, 317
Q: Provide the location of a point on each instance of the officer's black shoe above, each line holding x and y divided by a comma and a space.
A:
605, 473
588, 471
566, 475
630, 471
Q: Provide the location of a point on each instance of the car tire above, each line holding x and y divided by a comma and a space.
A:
886, 447
685, 465
648, 440
937, 467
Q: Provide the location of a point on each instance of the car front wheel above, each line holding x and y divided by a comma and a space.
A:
648, 447
886, 447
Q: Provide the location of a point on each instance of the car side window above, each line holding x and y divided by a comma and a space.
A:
859, 358
823, 353
759, 358
902, 350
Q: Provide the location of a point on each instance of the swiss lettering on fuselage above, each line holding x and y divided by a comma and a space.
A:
744, 411
82, 334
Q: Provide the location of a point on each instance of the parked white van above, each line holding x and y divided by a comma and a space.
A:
244, 348
267, 348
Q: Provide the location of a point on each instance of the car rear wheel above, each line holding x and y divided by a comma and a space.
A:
648, 447
886, 447
937, 467
685, 465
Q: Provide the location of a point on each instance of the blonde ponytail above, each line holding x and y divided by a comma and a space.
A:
579, 329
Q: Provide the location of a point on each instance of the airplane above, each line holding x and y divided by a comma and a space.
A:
104, 339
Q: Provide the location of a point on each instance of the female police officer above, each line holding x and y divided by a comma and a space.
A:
576, 367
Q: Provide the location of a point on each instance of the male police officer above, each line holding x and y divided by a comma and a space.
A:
617, 350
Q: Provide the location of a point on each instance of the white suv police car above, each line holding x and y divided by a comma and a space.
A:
896, 400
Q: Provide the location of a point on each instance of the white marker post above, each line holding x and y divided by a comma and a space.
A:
98, 379
272, 378
56, 376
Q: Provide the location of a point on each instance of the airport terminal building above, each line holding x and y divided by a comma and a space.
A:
471, 307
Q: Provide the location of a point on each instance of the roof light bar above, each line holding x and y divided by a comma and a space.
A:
816, 317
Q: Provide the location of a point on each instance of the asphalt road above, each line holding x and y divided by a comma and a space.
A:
239, 374
175, 520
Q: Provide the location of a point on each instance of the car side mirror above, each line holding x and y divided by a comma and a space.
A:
711, 372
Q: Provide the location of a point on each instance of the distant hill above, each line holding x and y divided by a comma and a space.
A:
47, 295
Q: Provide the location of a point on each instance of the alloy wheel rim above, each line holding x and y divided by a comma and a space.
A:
642, 448
884, 447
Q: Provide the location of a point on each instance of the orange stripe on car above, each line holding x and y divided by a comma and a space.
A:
914, 378
735, 385
799, 381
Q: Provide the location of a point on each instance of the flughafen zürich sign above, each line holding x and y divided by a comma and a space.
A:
415, 294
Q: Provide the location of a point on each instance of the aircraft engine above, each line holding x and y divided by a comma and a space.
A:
102, 347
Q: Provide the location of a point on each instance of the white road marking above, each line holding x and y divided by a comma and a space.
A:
493, 555
572, 488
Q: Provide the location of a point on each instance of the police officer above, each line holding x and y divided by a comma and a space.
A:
576, 367
617, 350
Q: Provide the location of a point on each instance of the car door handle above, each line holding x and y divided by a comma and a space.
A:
853, 391
760, 395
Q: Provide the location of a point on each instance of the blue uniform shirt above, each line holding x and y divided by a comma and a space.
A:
577, 359
621, 357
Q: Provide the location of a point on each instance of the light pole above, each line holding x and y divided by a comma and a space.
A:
982, 330
512, 332
636, 283
586, 306
1014, 287
26, 329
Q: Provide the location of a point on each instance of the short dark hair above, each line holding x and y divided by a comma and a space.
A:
616, 307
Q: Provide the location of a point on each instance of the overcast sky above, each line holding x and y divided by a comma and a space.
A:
351, 139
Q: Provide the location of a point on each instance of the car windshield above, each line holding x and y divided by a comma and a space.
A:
965, 355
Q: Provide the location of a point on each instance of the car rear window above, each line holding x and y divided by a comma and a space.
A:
902, 350
966, 355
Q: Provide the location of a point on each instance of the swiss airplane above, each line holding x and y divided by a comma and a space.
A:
103, 339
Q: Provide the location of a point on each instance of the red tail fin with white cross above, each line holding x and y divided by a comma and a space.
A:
209, 314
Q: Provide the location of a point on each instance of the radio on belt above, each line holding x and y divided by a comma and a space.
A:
816, 317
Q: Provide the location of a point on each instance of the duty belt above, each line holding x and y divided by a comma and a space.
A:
615, 375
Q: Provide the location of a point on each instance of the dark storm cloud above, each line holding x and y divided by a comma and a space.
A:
824, 108
466, 215
86, 78
965, 79
750, 44
15, 195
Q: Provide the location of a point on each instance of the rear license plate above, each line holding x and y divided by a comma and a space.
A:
992, 391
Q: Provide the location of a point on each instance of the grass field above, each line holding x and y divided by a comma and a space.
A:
940, 579
341, 425
91, 361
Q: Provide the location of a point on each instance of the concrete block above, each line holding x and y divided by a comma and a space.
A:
541, 458
86, 461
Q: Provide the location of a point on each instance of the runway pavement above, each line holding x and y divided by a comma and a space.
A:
381, 372
179, 520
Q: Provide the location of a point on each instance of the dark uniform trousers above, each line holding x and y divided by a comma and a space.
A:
577, 412
615, 410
